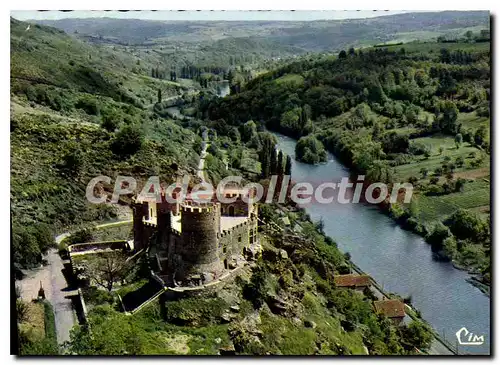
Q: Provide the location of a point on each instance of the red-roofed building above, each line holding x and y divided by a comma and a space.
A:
352, 281
391, 308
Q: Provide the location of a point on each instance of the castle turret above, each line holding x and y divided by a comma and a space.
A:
139, 212
200, 224
164, 222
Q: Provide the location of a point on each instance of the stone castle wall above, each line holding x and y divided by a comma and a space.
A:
199, 250
233, 242
200, 253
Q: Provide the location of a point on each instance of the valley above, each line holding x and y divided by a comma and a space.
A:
376, 97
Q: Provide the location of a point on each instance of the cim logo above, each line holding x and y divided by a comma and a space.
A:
465, 337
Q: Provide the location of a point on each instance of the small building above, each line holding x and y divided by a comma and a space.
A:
352, 281
391, 308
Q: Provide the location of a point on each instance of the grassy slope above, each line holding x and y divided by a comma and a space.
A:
282, 88
41, 136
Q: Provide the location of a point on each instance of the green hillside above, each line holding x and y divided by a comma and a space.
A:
79, 111
416, 112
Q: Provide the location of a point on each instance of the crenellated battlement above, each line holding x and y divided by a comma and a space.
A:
198, 207
227, 232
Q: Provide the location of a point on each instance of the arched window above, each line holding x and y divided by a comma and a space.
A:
231, 210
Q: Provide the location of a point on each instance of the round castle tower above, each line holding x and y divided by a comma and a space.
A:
200, 250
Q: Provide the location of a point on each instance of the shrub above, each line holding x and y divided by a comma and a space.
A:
80, 236
310, 150
88, 105
438, 235
467, 225
418, 148
128, 141
195, 312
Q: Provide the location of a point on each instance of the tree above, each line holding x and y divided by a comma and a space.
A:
127, 141
459, 184
458, 140
256, 291
424, 171
379, 171
465, 224
274, 161
29, 243
417, 335
106, 269
365, 153
249, 131
480, 135
73, 160
280, 163
288, 166
110, 121
448, 120
394, 142
413, 180
342, 54
414, 208
159, 95
267, 157
310, 150
438, 235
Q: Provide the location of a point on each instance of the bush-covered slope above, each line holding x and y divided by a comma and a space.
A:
417, 112
76, 113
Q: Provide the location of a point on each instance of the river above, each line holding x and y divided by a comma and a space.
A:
399, 260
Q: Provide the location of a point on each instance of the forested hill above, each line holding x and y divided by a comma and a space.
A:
79, 111
416, 112
325, 35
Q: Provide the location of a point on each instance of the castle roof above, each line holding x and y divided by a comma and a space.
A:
392, 308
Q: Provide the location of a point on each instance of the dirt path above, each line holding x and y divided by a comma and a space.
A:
201, 165
52, 280
56, 289
474, 174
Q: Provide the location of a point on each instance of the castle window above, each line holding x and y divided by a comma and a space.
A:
151, 214
231, 211
239, 239
224, 249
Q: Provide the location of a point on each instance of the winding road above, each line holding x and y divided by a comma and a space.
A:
56, 289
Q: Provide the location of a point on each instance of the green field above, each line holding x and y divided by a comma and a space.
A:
436, 159
290, 79
475, 195
471, 120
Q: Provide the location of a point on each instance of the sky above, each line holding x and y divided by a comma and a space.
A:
300, 15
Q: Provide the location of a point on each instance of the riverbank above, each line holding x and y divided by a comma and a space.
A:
409, 217
399, 260
439, 345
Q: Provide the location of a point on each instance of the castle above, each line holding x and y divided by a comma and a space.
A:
195, 243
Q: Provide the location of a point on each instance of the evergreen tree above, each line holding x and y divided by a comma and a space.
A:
274, 161
280, 163
288, 165
265, 164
